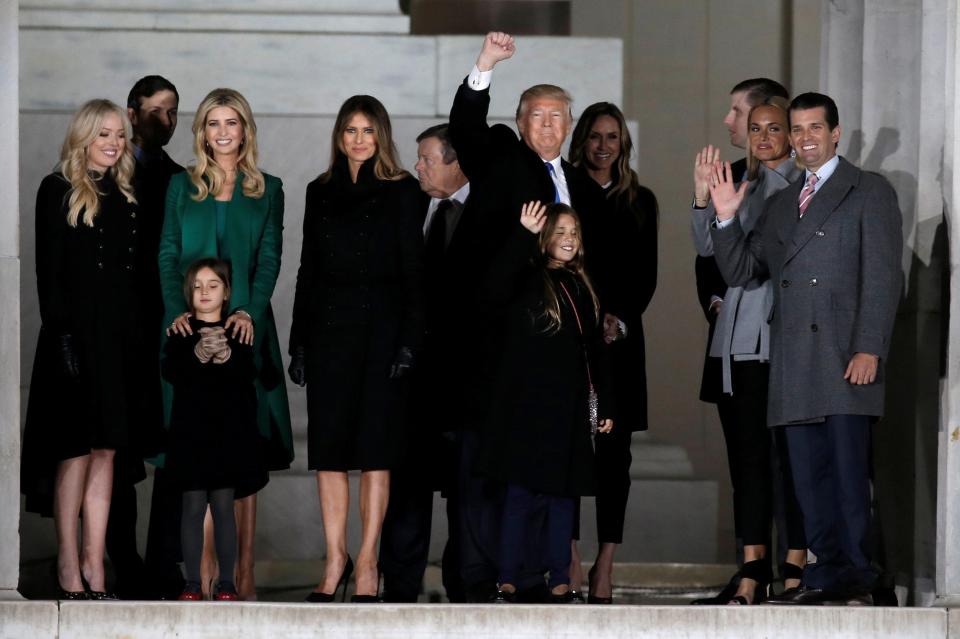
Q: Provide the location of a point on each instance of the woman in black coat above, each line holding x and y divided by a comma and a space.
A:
85, 392
538, 435
625, 272
357, 322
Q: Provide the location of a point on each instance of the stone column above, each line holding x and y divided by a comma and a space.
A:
10, 309
889, 65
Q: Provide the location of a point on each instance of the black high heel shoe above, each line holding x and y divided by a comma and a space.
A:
328, 597
97, 595
593, 599
370, 599
72, 595
759, 570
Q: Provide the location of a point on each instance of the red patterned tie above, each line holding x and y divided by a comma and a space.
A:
807, 193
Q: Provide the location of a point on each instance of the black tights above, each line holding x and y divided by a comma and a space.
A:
224, 531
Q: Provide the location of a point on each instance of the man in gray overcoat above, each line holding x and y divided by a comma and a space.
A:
831, 243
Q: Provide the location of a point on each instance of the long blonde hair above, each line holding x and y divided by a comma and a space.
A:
207, 176
84, 129
551, 300
386, 166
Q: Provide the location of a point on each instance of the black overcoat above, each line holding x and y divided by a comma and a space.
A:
86, 287
538, 434
358, 300
625, 276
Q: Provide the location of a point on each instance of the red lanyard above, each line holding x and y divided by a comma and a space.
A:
580, 327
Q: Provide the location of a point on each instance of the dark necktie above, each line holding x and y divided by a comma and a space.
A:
436, 243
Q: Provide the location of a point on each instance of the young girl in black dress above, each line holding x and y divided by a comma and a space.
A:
214, 449
551, 392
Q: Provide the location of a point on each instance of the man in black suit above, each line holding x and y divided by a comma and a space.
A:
512, 171
152, 108
438, 385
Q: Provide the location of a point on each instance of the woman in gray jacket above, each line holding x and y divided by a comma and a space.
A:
741, 340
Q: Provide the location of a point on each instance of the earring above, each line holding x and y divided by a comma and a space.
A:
793, 153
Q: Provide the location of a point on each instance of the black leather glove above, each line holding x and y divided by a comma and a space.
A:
298, 366
68, 357
402, 363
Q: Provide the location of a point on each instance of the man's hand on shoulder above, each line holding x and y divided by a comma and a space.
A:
862, 369
497, 46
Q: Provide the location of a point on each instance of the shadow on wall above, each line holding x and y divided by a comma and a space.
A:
905, 441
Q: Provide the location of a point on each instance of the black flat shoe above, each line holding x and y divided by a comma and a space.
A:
328, 597
805, 596
72, 595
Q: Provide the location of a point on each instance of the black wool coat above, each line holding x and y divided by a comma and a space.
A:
86, 281
538, 432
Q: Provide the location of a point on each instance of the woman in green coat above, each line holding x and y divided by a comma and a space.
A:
226, 207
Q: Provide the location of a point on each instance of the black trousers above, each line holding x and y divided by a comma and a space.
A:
831, 471
749, 441
163, 537
612, 452
480, 504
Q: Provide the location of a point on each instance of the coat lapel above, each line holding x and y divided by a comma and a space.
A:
823, 204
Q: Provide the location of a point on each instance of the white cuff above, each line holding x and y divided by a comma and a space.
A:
479, 80
722, 224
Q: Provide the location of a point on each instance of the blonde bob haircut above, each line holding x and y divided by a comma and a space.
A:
207, 176
548, 92
753, 164
386, 165
84, 128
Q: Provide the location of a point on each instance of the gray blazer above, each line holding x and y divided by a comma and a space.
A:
742, 332
837, 281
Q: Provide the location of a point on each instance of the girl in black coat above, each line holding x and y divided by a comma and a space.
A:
538, 440
214, 450
357, 322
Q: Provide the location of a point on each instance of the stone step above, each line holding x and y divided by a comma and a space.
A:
149, 620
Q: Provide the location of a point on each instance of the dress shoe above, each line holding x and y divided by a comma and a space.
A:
504, 597
806, 596
577, 597
365, 599
226, 591
191, 592
562, 598
599, 601
759, 571
72, 595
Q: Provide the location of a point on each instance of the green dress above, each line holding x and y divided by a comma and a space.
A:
251, 239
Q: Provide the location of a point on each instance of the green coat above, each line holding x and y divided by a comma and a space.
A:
254, 239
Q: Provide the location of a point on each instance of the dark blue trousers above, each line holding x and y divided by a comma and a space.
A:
830, 462
519, 535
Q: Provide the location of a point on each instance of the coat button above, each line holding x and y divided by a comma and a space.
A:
784, 283
130, 249
100, 265
133, 215
820, 233
814, 328
813, 282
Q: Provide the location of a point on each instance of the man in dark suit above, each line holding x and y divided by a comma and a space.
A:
152, 108
437, 386
832, 245
512, 171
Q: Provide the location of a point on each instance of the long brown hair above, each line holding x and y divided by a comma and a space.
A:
627, 183
551, 299
83, 130
387, 165
221, 269
207, 176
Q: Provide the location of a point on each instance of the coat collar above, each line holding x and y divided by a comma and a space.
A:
824, 203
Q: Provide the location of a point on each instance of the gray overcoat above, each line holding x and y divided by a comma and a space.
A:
837, 281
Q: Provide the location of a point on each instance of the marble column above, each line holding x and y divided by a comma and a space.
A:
890, 65
10, 309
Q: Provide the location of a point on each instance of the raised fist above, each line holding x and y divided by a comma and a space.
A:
497, 46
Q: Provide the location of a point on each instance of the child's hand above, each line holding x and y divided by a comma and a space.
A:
606, 425
533, 216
